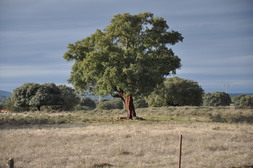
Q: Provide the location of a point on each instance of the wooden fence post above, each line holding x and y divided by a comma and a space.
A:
180, 152
11, 163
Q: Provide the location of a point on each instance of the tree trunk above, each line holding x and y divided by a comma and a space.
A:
38, 108
129, 105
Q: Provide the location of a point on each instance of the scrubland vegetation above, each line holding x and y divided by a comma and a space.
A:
213, 137
155, 114
53, 126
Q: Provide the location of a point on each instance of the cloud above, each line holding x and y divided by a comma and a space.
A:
13, 76
34, 36
40, 71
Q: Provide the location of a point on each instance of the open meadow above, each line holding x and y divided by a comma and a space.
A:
212, 138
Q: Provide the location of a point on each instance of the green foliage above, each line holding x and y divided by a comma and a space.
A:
131, 54
247, 101
22, 95
115, 103
69, 97
216, 99
237, 100
140, 103
176, 92
32, 96
157, 98
10, 106
86, 103
47, 94
3, 101
243, 101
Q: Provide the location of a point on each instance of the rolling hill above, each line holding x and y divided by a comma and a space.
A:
5, 93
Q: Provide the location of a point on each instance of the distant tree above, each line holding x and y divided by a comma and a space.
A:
243, 101
176, 92
216, 99
33, 95
22, 95
69, 97
128, 58
47, 94
86, 103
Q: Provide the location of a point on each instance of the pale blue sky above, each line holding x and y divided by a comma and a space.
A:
217, 50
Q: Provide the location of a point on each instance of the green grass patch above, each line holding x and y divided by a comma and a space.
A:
145, 115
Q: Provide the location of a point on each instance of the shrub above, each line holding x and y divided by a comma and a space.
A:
155, 99
247, 101
111, 104
216, 99
176, 92
140, 103
86, 103
237, 100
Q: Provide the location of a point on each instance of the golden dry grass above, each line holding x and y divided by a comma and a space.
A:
127, 144
213, 137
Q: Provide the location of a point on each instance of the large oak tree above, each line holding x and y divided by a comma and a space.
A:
128, 58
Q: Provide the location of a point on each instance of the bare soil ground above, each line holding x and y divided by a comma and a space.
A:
128, 144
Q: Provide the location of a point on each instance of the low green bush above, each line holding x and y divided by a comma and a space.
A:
86, 103
176, 92
140, 103
247, 101
216, 99
110, 104
243, 101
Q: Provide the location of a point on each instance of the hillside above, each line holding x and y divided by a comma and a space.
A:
5, 93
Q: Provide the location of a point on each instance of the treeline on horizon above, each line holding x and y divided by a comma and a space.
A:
172, 92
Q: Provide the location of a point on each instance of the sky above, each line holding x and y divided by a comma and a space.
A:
217, 51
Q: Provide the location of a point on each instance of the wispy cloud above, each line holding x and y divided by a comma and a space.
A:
40, 71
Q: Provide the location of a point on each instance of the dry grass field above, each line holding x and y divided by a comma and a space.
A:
107, 142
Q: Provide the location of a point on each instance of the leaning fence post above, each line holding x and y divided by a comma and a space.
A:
11, 163
180, 152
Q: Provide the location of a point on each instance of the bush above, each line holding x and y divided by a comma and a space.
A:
111, 104
237, 100
243, 101
86, 103
176, 92
216, 99
140, 103
247, 101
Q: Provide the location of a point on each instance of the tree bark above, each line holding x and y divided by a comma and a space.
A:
129, 105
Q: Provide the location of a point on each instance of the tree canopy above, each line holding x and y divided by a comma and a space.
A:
33, 95
132, 55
